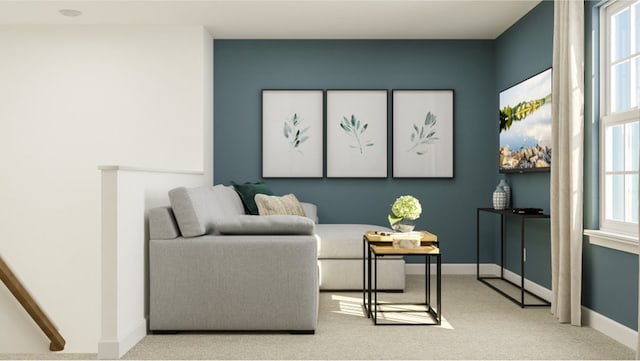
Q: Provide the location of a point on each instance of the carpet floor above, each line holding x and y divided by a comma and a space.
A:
478, 323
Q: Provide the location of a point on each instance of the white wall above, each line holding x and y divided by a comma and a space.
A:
127, 194
73, 98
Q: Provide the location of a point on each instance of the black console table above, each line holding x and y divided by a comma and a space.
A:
484, 279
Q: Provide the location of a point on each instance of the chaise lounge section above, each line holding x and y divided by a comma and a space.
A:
340, 250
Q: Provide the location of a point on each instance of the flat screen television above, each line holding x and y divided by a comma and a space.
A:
525, 125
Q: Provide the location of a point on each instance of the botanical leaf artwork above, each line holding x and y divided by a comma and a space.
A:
424, 135
294, 134
354, 128
520, 111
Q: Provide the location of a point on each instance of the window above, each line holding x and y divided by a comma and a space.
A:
620, 116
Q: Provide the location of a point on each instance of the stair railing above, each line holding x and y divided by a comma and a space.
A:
31, 306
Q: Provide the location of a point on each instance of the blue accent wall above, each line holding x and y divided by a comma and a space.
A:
522, 51
609, 277
243, 67
477, 71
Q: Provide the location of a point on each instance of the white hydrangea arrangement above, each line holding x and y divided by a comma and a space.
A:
405, 207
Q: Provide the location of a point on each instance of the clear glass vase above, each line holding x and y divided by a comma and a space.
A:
405, 225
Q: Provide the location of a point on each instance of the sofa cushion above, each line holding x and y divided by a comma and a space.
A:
247, 193
196, 209
343, 240
275, 224
287, 204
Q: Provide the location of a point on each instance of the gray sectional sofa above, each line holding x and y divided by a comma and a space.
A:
214, 268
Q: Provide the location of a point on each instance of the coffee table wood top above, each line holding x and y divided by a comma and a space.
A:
390, 250
376, 237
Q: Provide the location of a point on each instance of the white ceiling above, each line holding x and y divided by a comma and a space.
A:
289, 19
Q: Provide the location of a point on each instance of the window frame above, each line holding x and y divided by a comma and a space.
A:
609, 118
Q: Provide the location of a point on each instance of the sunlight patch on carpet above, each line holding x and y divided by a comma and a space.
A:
410, 314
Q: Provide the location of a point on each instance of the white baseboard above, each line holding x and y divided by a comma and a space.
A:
485, 269
115, 349
530, 286
598, 322
611, 328
452, 268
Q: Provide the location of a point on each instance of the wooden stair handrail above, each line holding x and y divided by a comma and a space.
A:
22, 295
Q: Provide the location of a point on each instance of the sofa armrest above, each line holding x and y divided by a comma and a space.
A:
311, 211
162, 223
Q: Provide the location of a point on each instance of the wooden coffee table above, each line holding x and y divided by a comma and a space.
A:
376, 245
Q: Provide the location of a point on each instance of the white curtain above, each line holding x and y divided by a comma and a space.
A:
566, 165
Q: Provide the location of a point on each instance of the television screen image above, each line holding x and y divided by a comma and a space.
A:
525, 125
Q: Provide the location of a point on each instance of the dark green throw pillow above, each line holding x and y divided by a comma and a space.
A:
247, 193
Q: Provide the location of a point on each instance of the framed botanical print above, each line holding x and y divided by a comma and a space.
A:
292, 133
422, 133
356, 133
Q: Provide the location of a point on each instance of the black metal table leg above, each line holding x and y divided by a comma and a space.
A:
439, 287
522, 260
375, 289
364, 276
478, 244
502, 246
427, 282
369, 282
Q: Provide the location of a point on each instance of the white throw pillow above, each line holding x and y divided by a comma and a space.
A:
271, 205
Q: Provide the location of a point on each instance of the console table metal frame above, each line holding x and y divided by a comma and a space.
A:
484, 279
374, 249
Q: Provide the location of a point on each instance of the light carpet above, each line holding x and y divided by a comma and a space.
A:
478, 323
